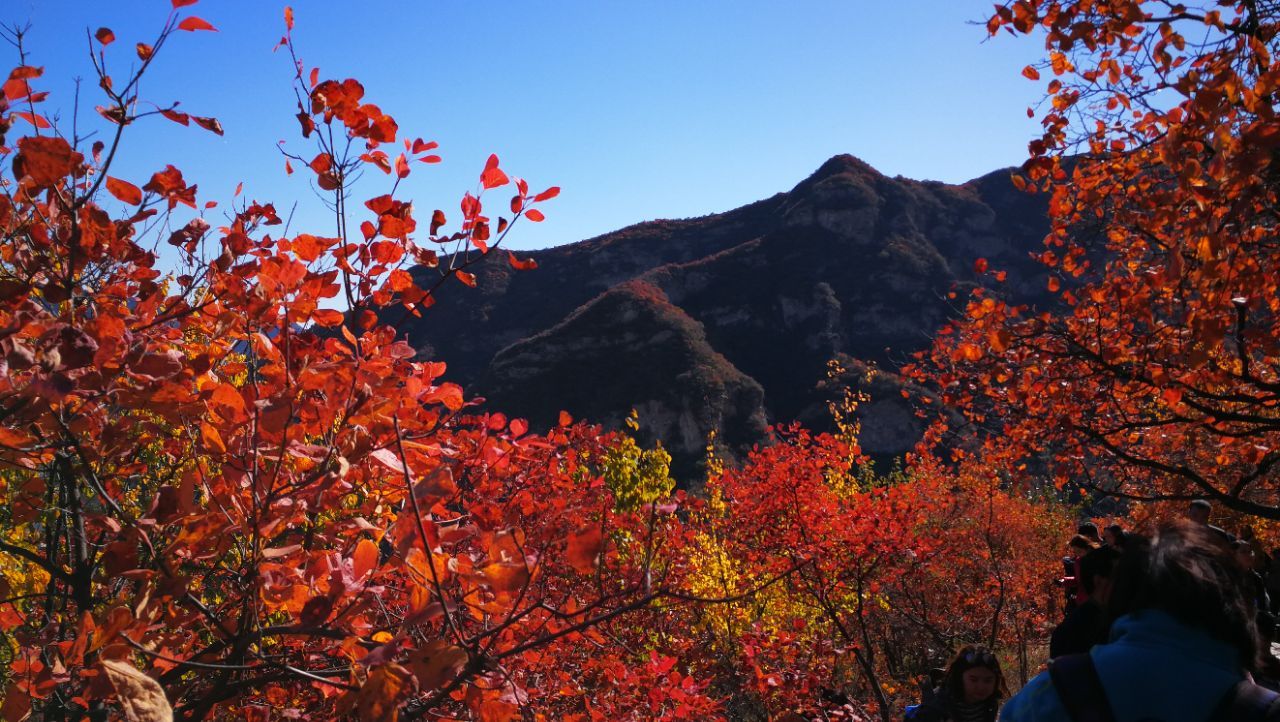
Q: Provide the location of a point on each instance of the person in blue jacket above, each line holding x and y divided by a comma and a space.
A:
1182, 639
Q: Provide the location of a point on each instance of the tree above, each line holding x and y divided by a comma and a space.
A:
1158, 377
224, 496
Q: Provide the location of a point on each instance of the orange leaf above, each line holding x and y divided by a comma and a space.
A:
534, 215
105, 36
1030, 73
327, 317
194, 23
364, 559
144, 51
141, 697
288, 17
526, 265
468, 279
380, 695
584, 548
124, 191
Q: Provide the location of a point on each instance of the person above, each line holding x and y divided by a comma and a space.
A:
971, 690
1182, 644
1086, 625
1075, 595
1113, 536
1199, 511
1089, 531
1254, 583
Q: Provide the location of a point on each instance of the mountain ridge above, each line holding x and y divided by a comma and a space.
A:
740, 310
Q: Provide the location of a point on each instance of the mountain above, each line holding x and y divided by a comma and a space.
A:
728, 321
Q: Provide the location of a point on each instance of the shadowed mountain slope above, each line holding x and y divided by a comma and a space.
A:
725, 321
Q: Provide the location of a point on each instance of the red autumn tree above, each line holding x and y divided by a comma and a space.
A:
225, 498
854, 584
1157, 378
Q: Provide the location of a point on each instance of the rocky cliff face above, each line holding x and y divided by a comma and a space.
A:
727, 322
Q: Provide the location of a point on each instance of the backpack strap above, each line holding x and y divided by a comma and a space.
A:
1078, 686
1248, 702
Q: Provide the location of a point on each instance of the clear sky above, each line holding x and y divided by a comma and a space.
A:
637, 110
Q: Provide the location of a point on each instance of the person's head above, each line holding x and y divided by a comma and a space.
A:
1080, 545
1199, 511
1089, 531
1189, 572
974, 675
1244, 554
1113, 535
1096, 572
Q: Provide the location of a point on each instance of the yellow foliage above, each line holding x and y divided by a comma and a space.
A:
637, 476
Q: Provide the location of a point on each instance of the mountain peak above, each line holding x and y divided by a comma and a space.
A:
842, 164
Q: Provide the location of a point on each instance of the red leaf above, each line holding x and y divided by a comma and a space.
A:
327, 317
526, 265
584, 548
321, 163
493, 177
144, 51
534, 215
315, 76
36, 120
175, 116
1030, 73
183, 3
194, 23
437, 220
23, 72
468, 279
210, 124
980, 266
419, 146
548, 194
105, 36
288, 169
565, 418
124, 191
402, 166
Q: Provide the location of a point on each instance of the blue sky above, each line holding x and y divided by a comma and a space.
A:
637, 110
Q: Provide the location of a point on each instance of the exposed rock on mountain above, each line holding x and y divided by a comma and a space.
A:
725, 321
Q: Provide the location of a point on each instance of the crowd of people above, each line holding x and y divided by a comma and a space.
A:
1172, 627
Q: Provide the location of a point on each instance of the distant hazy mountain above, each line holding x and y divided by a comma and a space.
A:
727, 322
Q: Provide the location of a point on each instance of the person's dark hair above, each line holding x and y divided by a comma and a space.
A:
970, 656
1089, 530
1116, 531
1189, 572
1200, 504
1080, 541
1097, 563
